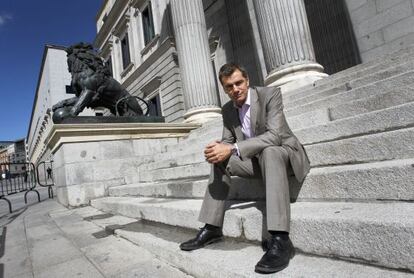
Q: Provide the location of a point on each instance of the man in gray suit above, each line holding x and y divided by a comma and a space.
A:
257, 142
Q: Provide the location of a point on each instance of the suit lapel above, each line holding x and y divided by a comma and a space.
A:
254, 106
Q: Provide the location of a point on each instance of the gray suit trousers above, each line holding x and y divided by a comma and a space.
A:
272, 166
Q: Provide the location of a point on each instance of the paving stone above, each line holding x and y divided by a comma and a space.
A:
70, 268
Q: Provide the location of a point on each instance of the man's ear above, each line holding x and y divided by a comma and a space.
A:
248, 82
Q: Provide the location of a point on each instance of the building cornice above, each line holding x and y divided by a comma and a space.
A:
112, 18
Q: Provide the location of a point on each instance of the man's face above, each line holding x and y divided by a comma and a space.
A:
236, 87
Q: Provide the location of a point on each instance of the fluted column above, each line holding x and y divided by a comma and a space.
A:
287, 43
199, 88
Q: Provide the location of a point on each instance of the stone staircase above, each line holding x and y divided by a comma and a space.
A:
353, 215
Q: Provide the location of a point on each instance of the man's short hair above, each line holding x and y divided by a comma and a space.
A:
228, 69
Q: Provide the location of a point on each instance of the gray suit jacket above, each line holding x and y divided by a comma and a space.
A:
270, 127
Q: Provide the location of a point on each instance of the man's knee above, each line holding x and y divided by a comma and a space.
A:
274, 153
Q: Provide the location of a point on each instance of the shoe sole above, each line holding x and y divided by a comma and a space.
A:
213, 240
268, 270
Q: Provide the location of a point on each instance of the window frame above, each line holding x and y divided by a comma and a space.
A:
148, 27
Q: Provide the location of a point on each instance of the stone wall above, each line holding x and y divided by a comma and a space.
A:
85, 171
381, 26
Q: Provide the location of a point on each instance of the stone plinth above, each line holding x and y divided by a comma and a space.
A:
90, 158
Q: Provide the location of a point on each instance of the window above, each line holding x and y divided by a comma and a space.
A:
154, 106
109, 65
69, 90
148, 24
126, 59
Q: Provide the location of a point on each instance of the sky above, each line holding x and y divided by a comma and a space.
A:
26, 26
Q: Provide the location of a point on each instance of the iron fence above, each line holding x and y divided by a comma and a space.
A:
16, 178
45, 177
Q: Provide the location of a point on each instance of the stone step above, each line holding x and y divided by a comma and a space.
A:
353, 73
378, 121
234, 258
392, 118
380, 101
390, 145
357, 82
194, 170
398, 96
395, 144
333, 98
385, 180
375, 233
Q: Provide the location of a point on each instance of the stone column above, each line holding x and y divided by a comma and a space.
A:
287, 43
199, 88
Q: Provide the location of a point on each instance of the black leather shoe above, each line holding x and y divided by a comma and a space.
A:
204, 237
277, 257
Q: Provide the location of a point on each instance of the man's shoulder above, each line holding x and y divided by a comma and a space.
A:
228, 106
267, 90
266, 93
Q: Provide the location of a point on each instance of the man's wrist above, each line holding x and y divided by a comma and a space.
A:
235, 149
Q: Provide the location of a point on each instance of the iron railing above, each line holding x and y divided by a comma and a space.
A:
16, 178
44, 175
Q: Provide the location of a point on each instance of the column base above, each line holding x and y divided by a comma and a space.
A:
202, 115
292, 78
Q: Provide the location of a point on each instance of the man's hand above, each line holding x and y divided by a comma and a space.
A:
216, 152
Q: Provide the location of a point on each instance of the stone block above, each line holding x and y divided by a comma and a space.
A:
383, 19
327, 99
396, 45
79, 173
386, 4
313, 118
370, 41
116, 149
394, 100
376, 147
80, 152
399, 29
355, 4
361, 10
237, 259
62, 195
367, 123
377, 232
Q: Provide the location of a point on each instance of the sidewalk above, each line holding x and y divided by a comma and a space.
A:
48, 240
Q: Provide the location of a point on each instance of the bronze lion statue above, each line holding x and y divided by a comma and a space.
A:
93, 86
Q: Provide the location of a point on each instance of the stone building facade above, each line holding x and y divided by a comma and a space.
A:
169, 51
13, 157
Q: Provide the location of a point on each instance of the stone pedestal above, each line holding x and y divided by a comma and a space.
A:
90, 158
200, 92
287, 44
